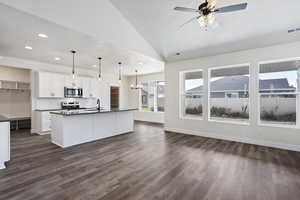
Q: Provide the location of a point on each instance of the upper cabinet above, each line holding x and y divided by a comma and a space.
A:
50, 85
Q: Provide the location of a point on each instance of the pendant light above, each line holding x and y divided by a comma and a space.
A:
136, 86
100, 71
73, 69
120, 75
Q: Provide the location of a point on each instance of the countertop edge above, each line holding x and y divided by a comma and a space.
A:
93, 113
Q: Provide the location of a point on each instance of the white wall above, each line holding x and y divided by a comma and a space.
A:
15, 103
133, 98
14, 74
253, 133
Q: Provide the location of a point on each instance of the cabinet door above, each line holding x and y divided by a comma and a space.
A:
58, 85
85, 84
94, 88
44, 84
45, 121
70, 82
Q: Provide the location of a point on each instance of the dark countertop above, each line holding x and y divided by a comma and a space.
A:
90, 111
52, 110
3, 119
47, 110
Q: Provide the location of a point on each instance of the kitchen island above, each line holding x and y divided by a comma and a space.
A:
80, 126
4, 141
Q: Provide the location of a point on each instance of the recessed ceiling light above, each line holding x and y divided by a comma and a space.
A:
57, 58
42, 35
141, 63
28, 47
94, 65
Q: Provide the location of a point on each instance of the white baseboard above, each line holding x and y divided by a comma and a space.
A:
236, 139
34, 131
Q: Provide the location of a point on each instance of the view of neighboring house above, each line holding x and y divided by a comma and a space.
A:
237, 87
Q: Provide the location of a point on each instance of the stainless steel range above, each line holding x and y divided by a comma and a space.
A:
70, 105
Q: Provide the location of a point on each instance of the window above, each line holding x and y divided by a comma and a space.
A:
191, 94
144, 98
152, 96
229, 94
278, 91
160, 96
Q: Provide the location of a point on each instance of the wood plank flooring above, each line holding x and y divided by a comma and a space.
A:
148, 165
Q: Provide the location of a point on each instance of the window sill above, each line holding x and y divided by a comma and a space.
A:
145, 111
191, 118
278, 126
229, 122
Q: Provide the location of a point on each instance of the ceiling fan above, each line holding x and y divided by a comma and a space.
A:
207, 11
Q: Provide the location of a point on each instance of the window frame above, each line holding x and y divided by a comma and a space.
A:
249, 92
297, 93
182, 93
155, 96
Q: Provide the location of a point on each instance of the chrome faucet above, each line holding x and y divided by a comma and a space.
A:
98, 104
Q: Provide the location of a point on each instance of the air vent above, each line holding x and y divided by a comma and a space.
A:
293, 30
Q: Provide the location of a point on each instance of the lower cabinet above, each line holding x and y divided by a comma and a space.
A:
4, 143
43, 120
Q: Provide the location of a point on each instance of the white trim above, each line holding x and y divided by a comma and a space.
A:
277, 125
249, 93
278, 93
183, 93
230, 122
236, 139
230, 66
192, 118
155, 96
283, 93
278, 60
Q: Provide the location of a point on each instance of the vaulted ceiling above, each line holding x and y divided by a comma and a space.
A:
263, 23
135, 31
93, 28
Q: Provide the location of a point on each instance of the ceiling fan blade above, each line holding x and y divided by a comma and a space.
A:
183, 9
232, 8
212, 3
189, 21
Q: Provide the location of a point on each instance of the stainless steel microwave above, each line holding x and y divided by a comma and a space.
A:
73, 92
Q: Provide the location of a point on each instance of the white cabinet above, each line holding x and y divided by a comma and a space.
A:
94, 88
72, 82
43, 120
85, 85
50, 85
4, 143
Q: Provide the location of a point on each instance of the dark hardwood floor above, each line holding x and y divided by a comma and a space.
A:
149, 164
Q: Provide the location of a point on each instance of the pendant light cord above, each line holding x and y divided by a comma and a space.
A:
100, 70
136, 78
73, 70
120, 78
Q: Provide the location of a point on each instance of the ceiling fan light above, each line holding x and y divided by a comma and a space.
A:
210, 18
202, 21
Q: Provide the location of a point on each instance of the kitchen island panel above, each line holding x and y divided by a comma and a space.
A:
69, 130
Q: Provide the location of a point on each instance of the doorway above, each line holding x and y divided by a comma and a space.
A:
114, 97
